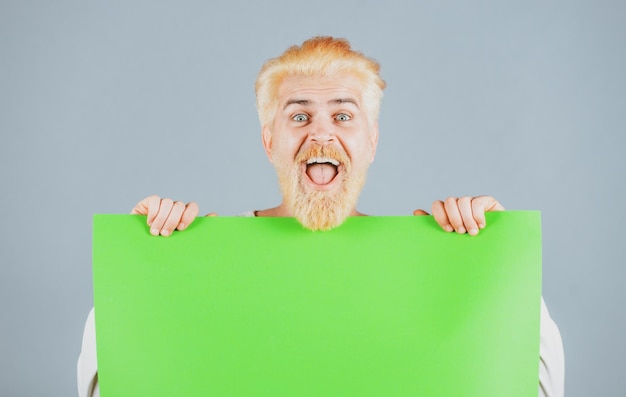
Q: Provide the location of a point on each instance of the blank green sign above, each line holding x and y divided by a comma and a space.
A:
381, 306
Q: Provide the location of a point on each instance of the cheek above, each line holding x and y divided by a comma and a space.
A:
361, 150
286, 147
283, 154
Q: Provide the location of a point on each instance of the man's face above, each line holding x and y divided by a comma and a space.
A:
321, 145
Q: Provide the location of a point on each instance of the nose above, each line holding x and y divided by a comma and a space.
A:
321, 132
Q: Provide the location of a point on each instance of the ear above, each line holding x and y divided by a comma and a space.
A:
374, 138
266, 135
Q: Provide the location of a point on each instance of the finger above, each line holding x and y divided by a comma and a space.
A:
165, 206
148, 206
492, 204
465, 208
211, 214
439, 212
478, 210
190, 213
420, 212
173, 219
154, 206
482, 204
489, 203
451, 207
141, 208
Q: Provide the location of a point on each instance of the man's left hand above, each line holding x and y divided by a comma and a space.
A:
463, 215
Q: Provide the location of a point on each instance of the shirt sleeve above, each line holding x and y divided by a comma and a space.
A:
87, 367
551, 357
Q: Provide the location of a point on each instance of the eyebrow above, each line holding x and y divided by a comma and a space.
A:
345, 100
302, 102
305, 102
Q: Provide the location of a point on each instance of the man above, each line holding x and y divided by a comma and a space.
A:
318, 105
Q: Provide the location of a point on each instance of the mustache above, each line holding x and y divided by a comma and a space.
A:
324, 151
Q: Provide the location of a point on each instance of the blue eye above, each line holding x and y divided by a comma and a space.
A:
300, 117
343, 117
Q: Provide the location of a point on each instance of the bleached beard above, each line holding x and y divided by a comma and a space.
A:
320, 210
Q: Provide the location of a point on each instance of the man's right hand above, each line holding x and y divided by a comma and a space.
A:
166, 215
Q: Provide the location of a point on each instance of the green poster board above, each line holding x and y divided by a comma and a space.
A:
381, 306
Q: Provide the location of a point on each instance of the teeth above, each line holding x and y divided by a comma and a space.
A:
322, 160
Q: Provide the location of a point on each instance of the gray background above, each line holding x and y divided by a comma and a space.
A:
105, 102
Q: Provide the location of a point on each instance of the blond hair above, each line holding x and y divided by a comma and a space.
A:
317, 57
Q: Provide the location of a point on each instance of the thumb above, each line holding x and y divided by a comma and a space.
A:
420, 212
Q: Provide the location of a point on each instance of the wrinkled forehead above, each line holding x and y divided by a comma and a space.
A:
321, 89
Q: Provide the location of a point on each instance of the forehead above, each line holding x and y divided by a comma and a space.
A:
321, 89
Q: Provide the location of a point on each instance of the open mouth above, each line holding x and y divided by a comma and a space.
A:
322, 170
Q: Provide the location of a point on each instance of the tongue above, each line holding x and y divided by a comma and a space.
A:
321, 174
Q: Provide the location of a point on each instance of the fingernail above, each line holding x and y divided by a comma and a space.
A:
165, 233
481, 225
461, 230
154, 231
181, 226
473, 232
448, 228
